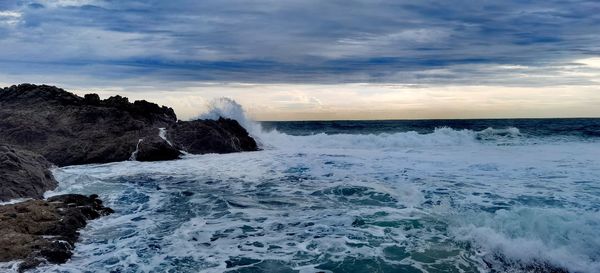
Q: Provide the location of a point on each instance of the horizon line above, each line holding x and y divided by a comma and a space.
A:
424, 119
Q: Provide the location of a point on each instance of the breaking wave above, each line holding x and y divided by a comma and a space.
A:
526, 239
229, 108
531, 238
450, 200
442, 136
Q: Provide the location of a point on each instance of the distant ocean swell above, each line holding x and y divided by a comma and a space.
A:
439, 137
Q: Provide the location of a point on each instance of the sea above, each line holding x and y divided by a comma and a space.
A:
495, 195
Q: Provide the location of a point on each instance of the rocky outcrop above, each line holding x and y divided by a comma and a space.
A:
154, 148
38, 231
70, 130
211, 136
23, 174
56, 126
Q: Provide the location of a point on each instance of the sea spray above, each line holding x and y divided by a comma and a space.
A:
229, 108
133, 156
162, 133
441, 136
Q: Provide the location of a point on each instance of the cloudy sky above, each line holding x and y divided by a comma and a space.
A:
316, 59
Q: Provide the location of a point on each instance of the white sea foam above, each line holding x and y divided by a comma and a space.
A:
133, 156
559, 237
162, 133
12, 266
440, 137
14, 201
402, 195
228, 108
495, 133
315, 201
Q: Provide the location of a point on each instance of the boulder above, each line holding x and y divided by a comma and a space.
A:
23, 174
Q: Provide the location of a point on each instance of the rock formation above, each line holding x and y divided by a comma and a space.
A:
23, 174
38, 231
42, 125
210, 136
70, 130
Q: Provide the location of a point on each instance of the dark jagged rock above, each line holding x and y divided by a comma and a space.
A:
52, 96
154, 148
70, 130
38, 231
23, 174
211, 136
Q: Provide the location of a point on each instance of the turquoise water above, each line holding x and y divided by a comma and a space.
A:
499, 199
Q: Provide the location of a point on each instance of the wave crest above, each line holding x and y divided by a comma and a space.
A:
443, 136
226, 108
534, 237
494, 134
229, 108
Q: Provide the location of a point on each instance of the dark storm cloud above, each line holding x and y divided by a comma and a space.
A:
300, 41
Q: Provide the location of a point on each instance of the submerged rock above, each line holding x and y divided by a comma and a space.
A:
39, 231
23, 174
70, 130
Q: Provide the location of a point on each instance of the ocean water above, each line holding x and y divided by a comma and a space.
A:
355, 196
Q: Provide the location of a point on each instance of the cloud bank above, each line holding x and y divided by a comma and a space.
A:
153, 45
432, 42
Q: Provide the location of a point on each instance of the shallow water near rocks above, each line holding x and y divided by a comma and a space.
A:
448, 200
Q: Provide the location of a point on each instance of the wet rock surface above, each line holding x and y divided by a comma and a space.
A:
39, 231
211, 136
154, 148
43, 125
23, 174
69, 130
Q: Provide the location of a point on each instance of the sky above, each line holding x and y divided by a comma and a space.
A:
315, 59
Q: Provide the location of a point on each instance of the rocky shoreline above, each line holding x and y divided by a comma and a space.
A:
70, 130
38, 231
43, 126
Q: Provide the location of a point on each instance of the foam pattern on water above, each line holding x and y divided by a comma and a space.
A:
491, 200
431, 208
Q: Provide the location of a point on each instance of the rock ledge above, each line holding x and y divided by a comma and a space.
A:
23, 174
